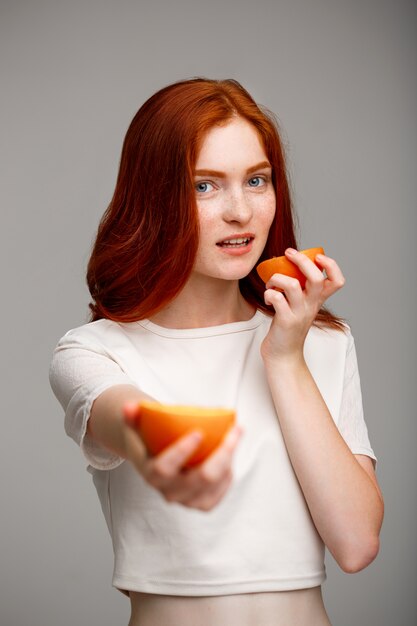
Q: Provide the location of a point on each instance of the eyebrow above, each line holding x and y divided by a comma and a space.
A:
217, 174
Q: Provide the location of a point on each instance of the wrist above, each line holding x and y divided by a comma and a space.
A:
286, 362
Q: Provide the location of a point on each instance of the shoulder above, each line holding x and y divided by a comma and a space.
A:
326, 349
91, 330
103, 332
326, 336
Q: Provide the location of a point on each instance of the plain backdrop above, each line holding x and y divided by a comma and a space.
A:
341, 77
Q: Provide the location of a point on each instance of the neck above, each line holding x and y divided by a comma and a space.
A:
206, 303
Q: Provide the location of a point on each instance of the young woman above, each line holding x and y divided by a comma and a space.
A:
180, 315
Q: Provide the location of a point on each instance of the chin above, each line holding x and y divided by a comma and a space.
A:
227, 272
234, 275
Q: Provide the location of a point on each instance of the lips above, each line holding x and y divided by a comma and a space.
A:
236, 240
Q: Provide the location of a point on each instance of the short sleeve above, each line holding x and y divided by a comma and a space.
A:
351, 421
80, 371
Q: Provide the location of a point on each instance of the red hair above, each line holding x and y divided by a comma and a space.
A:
147, 239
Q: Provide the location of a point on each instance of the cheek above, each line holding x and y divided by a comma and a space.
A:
266, 208
272, 206
207, 223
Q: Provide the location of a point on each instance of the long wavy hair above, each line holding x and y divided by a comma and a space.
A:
147, 239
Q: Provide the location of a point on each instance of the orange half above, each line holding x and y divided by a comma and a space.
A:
161, 425
282, 265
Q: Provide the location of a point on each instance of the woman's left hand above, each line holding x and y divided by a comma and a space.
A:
296, 310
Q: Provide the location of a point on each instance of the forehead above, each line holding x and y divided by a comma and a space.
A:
238, 140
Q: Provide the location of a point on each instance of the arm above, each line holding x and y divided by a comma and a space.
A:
101, 406
107, 425
341, 490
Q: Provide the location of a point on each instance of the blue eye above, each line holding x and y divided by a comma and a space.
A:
257, 178
202, 187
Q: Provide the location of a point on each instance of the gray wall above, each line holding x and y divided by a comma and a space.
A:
341, 76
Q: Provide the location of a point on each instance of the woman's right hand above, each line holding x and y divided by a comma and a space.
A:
199, 487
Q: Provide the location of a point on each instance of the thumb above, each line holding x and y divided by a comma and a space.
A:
131, 413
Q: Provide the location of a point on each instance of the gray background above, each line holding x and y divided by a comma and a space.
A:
341, 76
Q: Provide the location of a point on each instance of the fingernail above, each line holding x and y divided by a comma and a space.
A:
320, 257
129, 418
129, 415
291, 251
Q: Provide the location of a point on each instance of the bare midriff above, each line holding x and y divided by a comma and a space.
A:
301, 607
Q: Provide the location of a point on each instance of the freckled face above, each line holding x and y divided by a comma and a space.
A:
235, 201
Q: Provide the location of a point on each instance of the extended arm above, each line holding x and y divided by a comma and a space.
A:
101, 405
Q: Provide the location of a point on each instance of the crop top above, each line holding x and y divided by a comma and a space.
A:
260, 536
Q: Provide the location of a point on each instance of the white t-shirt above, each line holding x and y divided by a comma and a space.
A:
261, 536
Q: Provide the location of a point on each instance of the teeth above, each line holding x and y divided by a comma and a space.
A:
236, 241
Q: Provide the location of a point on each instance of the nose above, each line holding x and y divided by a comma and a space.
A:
237, 208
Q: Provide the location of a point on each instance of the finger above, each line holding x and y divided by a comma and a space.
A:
168, 463
206, 477
278, 300
137, 453
131, 413
314, 276
219, 461
197, 485
207, 500
335, 279
290, 287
